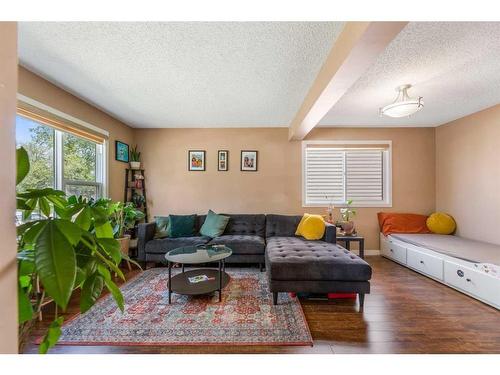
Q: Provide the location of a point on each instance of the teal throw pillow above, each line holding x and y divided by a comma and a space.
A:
181, 225
214, 224
162, 227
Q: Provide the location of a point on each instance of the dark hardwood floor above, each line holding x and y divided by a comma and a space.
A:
405, 313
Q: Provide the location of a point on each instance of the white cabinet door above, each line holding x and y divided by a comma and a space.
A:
397, 252
474, 282
425, 263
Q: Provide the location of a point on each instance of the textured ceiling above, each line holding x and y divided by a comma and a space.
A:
182, 74
455, 66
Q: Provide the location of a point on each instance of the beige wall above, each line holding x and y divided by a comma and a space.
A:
37, 88
8, 267
276, 187
468, 173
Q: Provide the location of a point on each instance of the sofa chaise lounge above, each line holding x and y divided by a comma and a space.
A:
294, 264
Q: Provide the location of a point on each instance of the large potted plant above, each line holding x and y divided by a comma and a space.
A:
347, 213
135, 158
124, 217
69, 245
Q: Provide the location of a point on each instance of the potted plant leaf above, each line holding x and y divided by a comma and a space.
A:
135, 158
347, 213
124, 217
64, 243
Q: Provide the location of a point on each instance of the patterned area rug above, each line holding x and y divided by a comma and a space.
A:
246, 316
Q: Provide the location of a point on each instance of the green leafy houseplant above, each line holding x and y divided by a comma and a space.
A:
347, 213
71, 245
135, 158
124, 217
134, 154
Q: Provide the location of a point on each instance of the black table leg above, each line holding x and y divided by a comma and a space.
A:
220, 280
348, 245
169, 282
182, 267
362, 248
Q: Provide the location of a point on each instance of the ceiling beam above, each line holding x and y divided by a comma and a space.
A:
354, 51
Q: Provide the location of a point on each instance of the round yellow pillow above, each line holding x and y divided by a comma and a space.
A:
441, 223
313, 227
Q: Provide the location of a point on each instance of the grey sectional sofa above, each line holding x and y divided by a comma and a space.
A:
293, 264
245, 234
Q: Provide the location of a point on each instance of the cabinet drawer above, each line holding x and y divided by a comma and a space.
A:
474, 282
397, 252
425, 263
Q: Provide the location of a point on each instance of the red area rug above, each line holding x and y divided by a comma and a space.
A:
246, 316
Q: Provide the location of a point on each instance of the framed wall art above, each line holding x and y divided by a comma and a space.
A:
249, 159
121, 151
223, 160
196, 160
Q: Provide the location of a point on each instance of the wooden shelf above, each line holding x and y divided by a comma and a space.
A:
131, 191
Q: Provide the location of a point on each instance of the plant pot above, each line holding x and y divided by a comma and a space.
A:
25, 331
124, 244
347, 227
135, 164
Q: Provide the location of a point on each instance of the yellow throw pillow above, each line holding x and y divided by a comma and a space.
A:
311, 227
441, 223
301, 225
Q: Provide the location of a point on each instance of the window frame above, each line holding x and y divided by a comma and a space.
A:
386, 171
102, 149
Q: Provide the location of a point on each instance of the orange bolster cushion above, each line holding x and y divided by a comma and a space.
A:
402, 223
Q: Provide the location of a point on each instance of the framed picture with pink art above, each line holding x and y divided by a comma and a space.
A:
249, 160
223, 160
196, 160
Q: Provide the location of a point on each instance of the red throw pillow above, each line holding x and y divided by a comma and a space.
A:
402, 223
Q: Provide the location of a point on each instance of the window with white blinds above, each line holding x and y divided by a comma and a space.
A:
340, 173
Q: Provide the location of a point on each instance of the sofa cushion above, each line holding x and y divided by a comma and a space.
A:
281, 225
164, 245
311, 227
247, 224
182, 225
294, 258
214, 225
162, 227
241, 244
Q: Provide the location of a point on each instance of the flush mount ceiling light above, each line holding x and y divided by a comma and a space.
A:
403, 105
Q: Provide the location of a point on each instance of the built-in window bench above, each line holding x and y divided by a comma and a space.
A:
471, 267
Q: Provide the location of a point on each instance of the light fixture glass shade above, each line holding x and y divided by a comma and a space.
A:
403, 105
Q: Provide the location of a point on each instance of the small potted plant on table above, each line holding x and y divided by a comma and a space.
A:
347, 213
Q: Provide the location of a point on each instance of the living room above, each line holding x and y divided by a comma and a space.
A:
315, 186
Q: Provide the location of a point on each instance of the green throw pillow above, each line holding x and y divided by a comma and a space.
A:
162, 227
214, 225
181, 225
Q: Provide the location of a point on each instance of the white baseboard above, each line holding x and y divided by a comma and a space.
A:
367, 252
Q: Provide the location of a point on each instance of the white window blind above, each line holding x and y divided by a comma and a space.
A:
337, 174
364, 175
324, 175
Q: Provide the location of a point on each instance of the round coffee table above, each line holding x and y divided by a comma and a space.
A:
214, 280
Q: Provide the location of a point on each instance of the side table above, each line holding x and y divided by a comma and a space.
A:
347, 241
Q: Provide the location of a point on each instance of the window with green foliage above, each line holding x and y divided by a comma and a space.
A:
80, 167
38, 140
60, 160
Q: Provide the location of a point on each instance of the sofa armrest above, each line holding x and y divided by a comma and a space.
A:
330, 233
145, 233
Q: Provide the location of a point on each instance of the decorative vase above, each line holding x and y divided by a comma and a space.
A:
135, 164
124, 243
347, 227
